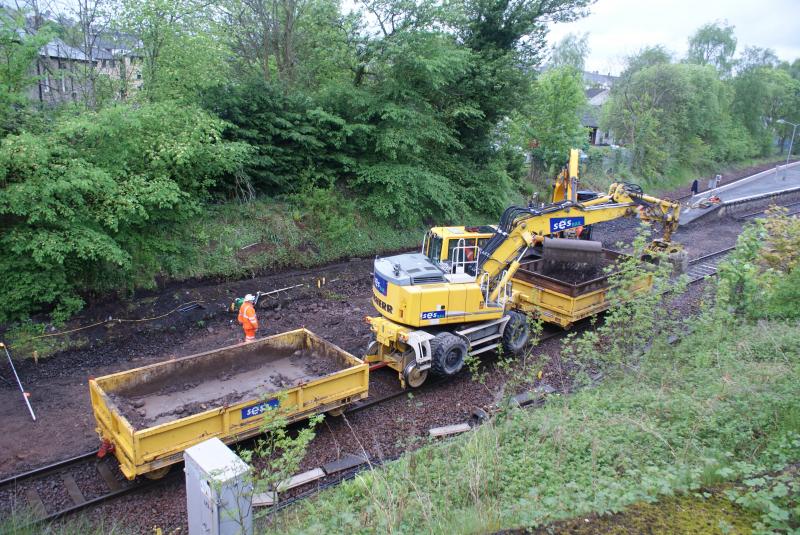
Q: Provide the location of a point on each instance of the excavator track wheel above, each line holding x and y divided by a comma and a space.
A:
413, 376
448, 352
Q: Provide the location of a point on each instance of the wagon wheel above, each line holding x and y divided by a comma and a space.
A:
413, 376
158, 473
338, 411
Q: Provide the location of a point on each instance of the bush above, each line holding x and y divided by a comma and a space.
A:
85, 207
759, 279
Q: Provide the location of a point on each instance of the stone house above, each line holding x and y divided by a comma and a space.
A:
67, 74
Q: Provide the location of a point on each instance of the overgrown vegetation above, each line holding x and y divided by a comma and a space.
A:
346, 127
717, 406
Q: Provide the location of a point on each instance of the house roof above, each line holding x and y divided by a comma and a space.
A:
599, 79
591, 117
594, 91
59, 49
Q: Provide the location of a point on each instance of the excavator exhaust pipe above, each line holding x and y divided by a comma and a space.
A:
576, 251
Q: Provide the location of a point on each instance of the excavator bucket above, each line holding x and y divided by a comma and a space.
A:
572, 251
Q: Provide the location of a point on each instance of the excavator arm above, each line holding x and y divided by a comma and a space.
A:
523, 227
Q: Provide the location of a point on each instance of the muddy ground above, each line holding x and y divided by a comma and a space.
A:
233, 376
334, 310
58, 384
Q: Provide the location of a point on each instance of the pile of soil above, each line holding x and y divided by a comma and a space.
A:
220, 383
572, 272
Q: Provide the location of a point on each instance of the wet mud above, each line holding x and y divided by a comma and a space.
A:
218, 383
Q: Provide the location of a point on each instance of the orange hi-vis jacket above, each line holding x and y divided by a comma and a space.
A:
247, 316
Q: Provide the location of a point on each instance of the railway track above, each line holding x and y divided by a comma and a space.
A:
62, 488
66, 487
793, 209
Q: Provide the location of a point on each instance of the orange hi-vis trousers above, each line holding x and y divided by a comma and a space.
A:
248, 319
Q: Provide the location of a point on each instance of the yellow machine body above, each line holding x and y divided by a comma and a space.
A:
434, 304
463, 281
143, 451
440, 242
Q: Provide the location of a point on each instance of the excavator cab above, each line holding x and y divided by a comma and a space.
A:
456, 248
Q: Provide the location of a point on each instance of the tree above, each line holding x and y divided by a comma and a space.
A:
552, 125
671, 115
645, 57
754, 57
713, 44
182, 54
761, 94
19, 52
570, 51
92, 203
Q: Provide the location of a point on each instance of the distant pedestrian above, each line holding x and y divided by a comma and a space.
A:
695, 187
717, 180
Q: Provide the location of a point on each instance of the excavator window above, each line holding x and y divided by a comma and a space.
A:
469, 251
434, 251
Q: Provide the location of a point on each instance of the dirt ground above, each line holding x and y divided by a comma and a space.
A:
58, 384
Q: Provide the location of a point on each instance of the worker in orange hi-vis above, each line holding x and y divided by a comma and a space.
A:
248, 319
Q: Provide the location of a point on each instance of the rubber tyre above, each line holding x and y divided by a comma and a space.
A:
516, 333
448, 352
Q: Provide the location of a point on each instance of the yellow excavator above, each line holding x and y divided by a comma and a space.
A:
456, 296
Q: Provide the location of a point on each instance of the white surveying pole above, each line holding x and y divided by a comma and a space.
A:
25, 395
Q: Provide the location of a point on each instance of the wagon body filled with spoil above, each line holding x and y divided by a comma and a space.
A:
147, 416
563, 293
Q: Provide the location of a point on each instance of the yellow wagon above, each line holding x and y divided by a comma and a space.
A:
147, 416
557, 298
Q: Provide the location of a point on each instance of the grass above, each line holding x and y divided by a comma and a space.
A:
721, 405
236, 240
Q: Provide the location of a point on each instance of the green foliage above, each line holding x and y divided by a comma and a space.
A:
277, 454
296, 144
18, 53
571, 51
181, 52
308, 229
81, 204
638, 314
674, 115
776, 498
551, 125
713, 44
762, 95
759, 278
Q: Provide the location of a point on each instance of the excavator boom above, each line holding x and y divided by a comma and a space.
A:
524, 227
